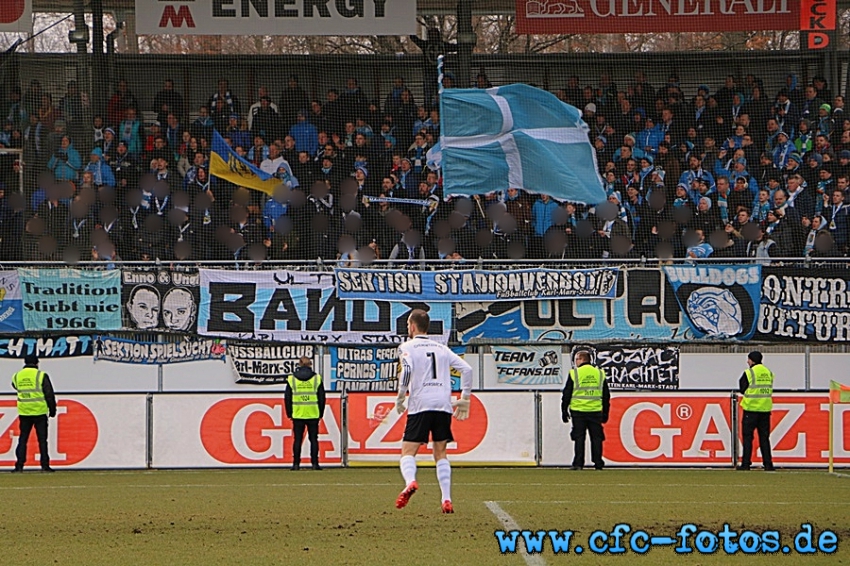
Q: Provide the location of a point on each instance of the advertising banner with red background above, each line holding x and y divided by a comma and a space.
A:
695, 430
641, 16
89, 431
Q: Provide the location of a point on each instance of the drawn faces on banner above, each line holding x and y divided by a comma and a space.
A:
166, 301
143, 307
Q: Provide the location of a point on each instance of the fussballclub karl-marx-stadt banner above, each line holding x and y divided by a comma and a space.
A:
263, 363
474, 285
301, 307
636, 16
275, 17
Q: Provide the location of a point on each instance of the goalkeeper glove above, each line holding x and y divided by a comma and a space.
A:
461, 408
399, 403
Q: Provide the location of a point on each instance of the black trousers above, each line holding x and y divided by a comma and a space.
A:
584, 423
760, 422
26, 424
312, 426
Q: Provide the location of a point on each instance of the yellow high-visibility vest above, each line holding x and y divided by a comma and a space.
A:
305, 397
30, 385
587, 389
759, 395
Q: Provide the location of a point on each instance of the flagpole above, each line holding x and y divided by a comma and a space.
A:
831, 405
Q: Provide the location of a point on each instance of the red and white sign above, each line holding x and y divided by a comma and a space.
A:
817, 24
276, 17
641, 16
499, 430
16, 16
89, 431
217, 431
695, 430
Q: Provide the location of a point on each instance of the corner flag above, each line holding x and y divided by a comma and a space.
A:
515, 136
838, 393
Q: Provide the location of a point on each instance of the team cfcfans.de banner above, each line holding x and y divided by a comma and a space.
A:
476, 285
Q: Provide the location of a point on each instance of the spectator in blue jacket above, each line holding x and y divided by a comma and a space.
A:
100, 170
541, 214
649, 138
305, 134
65, 162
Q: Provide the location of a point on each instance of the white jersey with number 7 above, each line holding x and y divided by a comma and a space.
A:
426, 373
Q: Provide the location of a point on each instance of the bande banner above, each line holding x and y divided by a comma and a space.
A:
635, 368
476, 286
47, 347
295, 306
71, 299
525, 367
266, 364
810, 305
630, 16
162, 300
718, 301
11, 304
133, 352
275, 17
643, 307
364, 368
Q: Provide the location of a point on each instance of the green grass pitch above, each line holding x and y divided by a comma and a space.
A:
347, 516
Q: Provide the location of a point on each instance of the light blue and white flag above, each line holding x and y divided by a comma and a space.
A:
516, 136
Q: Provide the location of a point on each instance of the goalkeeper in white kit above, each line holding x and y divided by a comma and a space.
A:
426, 374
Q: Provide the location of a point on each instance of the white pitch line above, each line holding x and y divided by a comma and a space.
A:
840, 475
638, 502
511, 525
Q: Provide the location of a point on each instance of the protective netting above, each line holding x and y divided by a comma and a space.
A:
725, 154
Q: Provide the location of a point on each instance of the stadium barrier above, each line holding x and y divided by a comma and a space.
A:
694, 429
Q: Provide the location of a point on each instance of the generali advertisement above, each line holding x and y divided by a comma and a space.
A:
89, 431
695, 430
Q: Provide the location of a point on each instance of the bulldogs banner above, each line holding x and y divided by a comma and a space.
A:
718, 301
805, 304
160, 300
531, 366
643, 307
476, 286
71, 299
364, 368
133, 352
11, 303
47, 347
266, 364
294, 306
651, 368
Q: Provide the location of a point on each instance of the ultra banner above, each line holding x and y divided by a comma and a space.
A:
471, 285
643, 307
364, 368
264, 363
636, 368
718, 301
160, 300
11, 304
132, 352
47, 347
71, 299
805, 304
295, 306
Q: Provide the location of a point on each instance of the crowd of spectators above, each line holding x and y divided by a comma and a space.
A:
730, 171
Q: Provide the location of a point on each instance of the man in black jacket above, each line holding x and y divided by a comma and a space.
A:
304, 399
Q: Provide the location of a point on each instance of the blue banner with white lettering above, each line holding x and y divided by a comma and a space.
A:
11, 305
71, 299
301, 307
718, 301
46, 347
476, 286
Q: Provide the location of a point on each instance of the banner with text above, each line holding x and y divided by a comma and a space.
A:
123, 351
525, 367
718, 301
281, 17
71, 299
162, 300
266, 364
635, 368
11, 303
47, 347
643, 307
476, 286
631, 16
295, 306
364, 368
805, 304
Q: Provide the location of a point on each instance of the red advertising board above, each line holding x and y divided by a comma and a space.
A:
638, 16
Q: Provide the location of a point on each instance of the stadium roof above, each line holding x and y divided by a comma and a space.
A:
425, 7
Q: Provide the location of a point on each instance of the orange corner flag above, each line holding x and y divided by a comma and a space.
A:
839, 393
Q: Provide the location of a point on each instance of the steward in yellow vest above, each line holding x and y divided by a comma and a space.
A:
304, 399
756, 386
36, 401
587, 400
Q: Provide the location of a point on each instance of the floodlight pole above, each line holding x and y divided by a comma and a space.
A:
465, 43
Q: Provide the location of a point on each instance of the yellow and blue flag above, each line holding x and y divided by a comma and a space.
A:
226, 164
